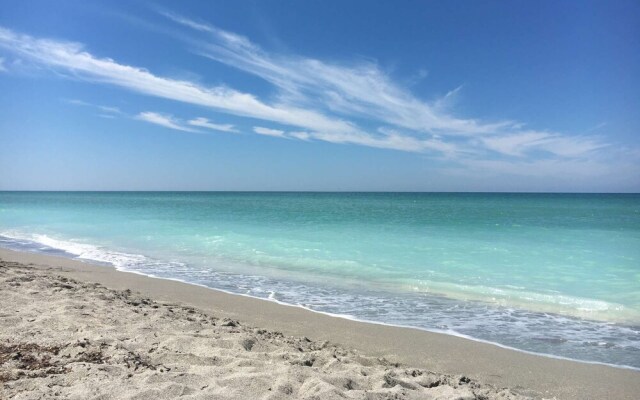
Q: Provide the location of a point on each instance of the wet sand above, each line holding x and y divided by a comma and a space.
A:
86, 331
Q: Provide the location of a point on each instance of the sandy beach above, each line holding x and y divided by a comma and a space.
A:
329, 199
73, 330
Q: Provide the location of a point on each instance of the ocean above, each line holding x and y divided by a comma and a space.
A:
554, 274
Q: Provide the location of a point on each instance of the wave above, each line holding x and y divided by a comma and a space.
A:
510, 296
507, 326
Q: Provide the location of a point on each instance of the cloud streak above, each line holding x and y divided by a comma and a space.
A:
268, 131
363, 90
104, 110
518, 144
317, 100
202, 122
71, 58
164, 120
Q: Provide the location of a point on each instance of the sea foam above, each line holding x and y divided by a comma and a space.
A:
535, 332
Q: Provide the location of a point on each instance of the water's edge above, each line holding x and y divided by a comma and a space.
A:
37, 248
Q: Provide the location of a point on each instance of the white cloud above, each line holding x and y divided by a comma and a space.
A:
364, 90
110, 110
71, 58
2, 66
205, 123
521, 143
77, 102
572, 146
317, 98
360, 89
164, 120
300, 135
268, 131
103, 109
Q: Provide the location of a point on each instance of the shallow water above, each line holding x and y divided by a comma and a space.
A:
557, 274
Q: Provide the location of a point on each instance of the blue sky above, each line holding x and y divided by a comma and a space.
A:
320, 95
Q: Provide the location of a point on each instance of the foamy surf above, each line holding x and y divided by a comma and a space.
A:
82, 251
519, 329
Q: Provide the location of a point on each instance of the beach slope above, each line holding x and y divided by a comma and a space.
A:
73, 330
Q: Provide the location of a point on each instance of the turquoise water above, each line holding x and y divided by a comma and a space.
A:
557, 274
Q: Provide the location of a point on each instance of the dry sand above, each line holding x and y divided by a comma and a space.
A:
74, 330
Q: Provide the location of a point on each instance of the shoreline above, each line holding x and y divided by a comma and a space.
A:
62, 249
532, 374
71, 256
350, 318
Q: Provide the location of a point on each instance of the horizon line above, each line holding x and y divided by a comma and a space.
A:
304, 191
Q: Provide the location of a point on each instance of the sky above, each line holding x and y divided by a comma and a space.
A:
320, 95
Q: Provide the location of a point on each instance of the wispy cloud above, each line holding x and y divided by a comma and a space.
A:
362, 89
300, 135
165, 120
77, 102
519, 144
205, 123
268, 131
3, 68
317, 100
356, 89
71, 58
110, 110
